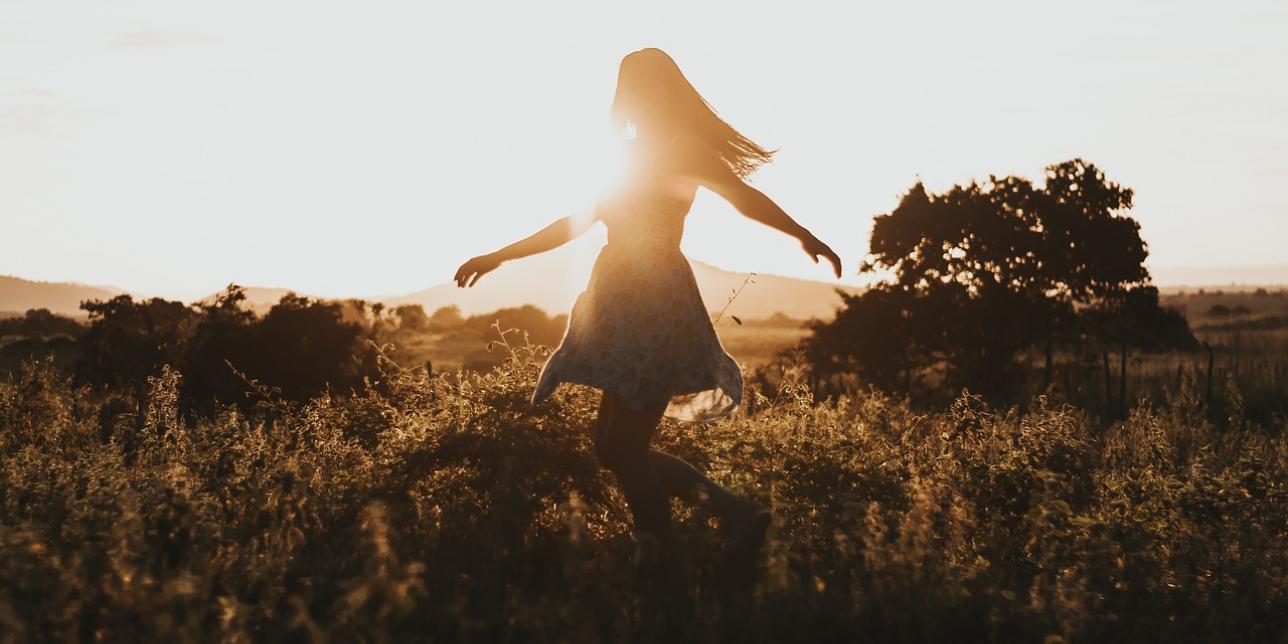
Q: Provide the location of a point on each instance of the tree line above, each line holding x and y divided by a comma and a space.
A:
228, 353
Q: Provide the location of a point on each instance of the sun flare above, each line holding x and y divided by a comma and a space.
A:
606, 171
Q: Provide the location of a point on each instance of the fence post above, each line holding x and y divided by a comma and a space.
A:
1122, 382
1207, 394
1109, 391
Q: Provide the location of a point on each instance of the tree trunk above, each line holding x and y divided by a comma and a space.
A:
1122, 382
1109, 391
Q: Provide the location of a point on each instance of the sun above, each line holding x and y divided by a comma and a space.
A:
606, 169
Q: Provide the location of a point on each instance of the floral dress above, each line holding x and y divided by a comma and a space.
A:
640, 329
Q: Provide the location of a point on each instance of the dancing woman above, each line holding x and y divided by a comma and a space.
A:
640, 332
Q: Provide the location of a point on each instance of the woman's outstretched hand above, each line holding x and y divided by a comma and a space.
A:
815, 248
470, 272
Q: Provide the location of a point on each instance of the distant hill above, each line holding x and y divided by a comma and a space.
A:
552, 283
768, 294
64, 298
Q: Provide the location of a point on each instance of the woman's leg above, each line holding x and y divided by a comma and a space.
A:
622, 436
682, 480
648, 477
621, 440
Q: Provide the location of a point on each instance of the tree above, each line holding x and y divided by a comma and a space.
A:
221, 338
869, 337
128, 341
527, 319
40, 323
303, 346
982, 272
967, 267
411, 317
446, 317
1090, 248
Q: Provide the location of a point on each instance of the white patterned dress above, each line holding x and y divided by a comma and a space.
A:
640, 329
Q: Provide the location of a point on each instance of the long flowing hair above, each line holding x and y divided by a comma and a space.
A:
650, 86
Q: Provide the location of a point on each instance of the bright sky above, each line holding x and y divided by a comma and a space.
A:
368, 148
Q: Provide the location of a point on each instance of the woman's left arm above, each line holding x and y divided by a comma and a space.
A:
757, 206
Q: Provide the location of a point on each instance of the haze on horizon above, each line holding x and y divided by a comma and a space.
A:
365, 149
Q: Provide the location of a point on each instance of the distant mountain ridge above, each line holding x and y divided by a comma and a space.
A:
553, 281
17, 295
550, 282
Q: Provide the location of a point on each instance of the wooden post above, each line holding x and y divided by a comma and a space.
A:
1122, 382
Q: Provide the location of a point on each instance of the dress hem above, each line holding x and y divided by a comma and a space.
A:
547, 385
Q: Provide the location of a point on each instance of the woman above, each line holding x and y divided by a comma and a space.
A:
640, 332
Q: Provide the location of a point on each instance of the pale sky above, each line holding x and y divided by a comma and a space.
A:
368, 148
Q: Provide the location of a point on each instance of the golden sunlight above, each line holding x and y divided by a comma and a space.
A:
773, 321
606, 167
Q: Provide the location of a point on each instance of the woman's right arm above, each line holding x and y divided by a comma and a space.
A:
553, 236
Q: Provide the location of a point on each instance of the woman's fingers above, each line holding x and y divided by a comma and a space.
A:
816, 249
465, 271
831, 259
464, 274
469, 273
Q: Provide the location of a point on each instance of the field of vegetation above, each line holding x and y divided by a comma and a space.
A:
1017, 437
438, 507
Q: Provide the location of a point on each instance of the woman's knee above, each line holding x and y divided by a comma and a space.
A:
614, 447
622, 434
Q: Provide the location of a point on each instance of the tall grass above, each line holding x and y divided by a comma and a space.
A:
442, 508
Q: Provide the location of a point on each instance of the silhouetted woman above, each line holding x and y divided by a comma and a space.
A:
640, 332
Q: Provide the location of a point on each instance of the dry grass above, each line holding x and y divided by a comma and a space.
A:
437, 509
